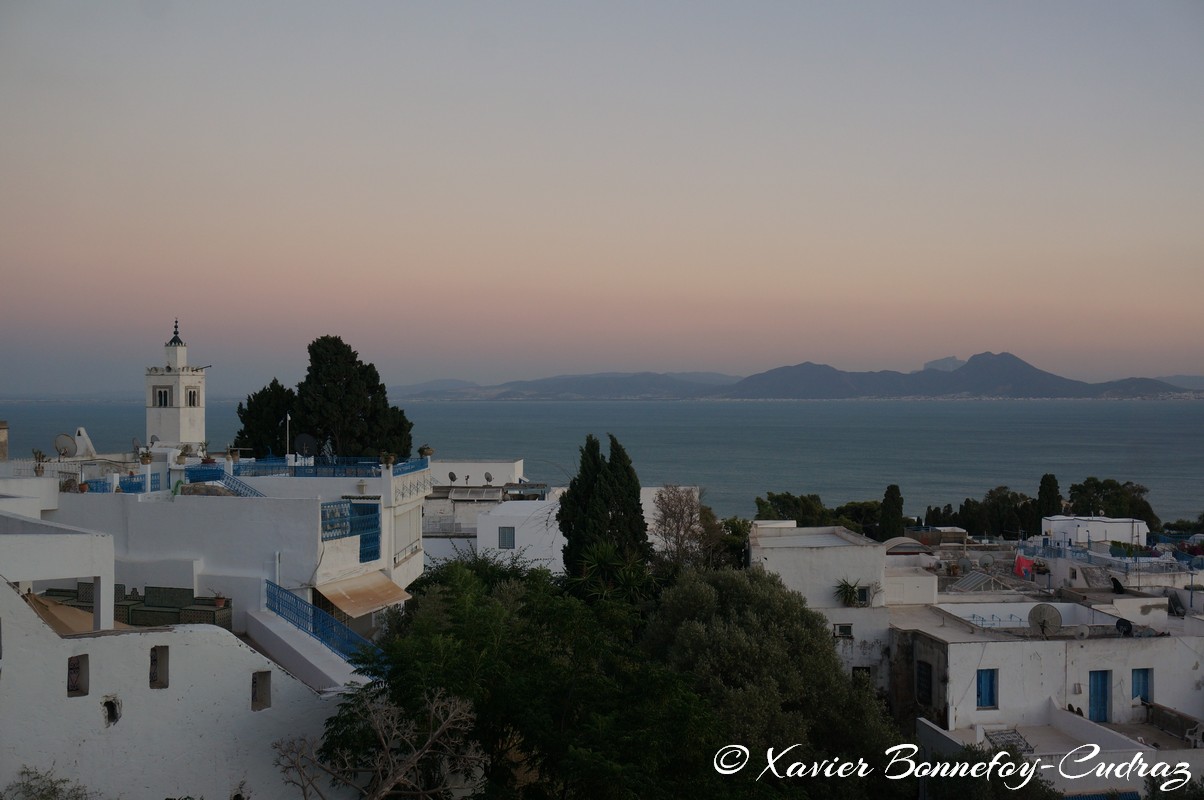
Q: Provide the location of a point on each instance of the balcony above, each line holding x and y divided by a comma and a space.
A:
326, 467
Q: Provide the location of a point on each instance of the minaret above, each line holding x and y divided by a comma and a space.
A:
175, 397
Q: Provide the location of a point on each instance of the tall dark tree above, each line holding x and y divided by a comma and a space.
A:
264, 429
343, 404
602, 507
1049, 496
890, 523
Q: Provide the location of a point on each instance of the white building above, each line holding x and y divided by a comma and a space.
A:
1048, 678
1064, 531
845, 577
132, 712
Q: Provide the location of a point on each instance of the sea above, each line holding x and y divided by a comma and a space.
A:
938, 451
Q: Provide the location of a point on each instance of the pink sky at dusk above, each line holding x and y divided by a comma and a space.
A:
492, 192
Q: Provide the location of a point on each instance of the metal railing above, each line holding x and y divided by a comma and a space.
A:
327, 467
133, 484
203, 474
240, 488
316, 622
1114, 563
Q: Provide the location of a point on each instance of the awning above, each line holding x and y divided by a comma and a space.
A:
363, 594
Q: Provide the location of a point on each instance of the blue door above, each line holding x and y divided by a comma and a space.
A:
1100, 688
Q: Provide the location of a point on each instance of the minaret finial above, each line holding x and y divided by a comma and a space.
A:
176, 331
175, 338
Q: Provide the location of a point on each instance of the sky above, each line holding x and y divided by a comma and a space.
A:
496, 191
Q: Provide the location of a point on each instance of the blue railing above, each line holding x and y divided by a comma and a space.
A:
316, 622
133, 484
100, 485
1115, 563
156, 481
203, 474
240, 488
327, 467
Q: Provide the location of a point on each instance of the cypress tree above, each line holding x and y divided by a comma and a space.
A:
891, 522
1049, 497
602, 506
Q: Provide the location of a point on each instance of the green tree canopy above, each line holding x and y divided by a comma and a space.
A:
764, 662
264, 429
1111, 498
343, 404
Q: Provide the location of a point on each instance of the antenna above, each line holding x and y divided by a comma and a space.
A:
488, 478
1045, 620
137, 444
64, 445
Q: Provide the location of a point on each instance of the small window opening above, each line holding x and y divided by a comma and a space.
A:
112, 708
261, 690
158, 667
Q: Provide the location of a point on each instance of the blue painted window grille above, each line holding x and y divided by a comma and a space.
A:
1141, 684
100, 485
316, 622
988, 682
156, 481
505, 537
343, 518
365, 521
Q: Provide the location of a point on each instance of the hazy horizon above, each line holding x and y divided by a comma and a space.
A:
504, 192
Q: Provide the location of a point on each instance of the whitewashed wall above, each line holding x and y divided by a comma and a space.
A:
198, 736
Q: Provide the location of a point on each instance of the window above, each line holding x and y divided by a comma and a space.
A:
158, 668
194, 397
988, 681
923, 683
162, 397
863, 596
1073, 573
77, 676
842, 631
261, 690
112, 709
1141, 684
505, 538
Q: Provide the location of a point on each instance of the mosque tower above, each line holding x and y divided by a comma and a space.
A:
175, 398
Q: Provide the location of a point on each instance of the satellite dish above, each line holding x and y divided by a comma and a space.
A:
137, 444
1045, 620
64, 445
986, 561
451, 476
1082, 632
154, 439
305, 445
488, 478
1124, 627
964, 565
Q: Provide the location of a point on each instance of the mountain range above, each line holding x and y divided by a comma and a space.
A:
986, 375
